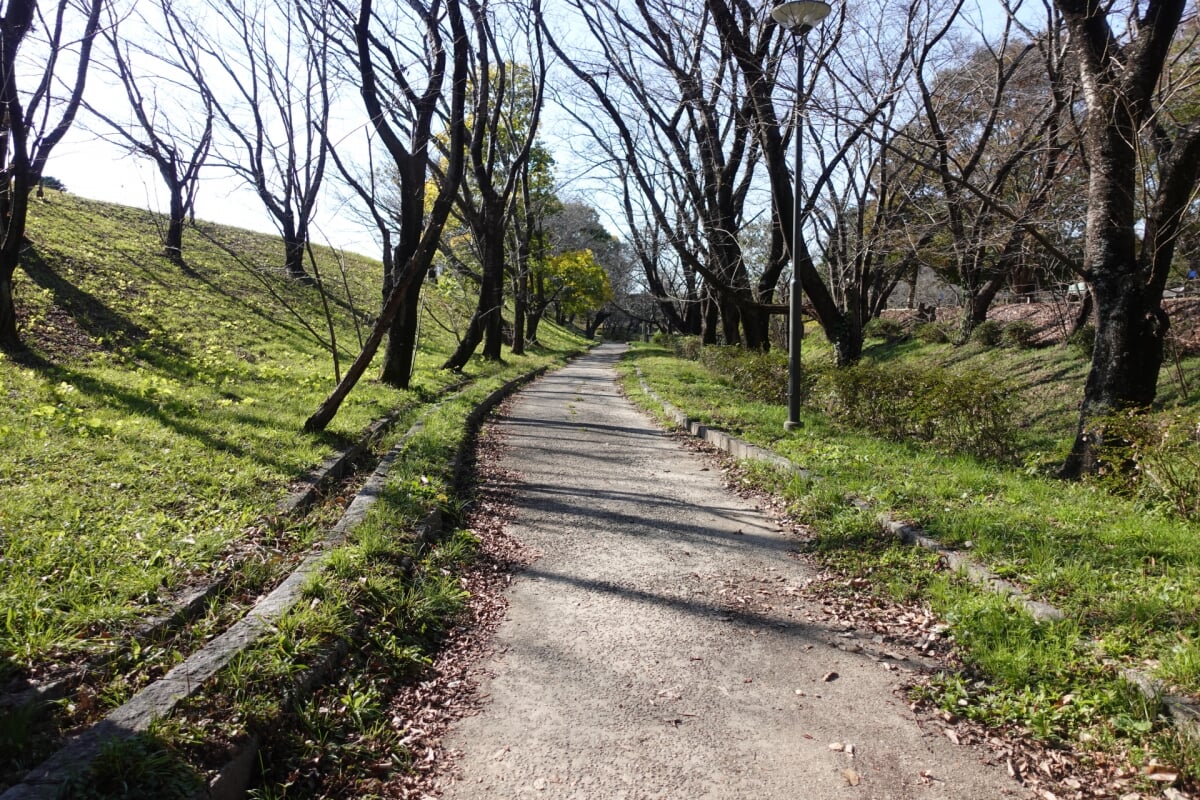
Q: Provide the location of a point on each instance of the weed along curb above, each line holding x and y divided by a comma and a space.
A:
160, 698
309, 486
1184, 713
719, 439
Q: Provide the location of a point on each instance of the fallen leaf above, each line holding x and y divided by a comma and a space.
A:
851, 777
829, 676
951, 735
1161, 772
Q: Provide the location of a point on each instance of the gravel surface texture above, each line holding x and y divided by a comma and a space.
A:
661, 645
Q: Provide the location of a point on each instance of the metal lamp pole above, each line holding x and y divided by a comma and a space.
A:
799, 16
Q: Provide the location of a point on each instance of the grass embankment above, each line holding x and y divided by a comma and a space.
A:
156, 426
1126, 571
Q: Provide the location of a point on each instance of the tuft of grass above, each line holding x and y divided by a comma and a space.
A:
143, 767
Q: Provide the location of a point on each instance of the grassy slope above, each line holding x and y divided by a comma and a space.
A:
1126, 574
160, 420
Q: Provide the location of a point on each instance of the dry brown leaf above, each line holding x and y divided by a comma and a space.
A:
1163, 773
852, 778
951, 735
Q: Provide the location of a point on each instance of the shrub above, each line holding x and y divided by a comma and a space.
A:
967, 412
987, 333
689, 347
931, 333
760, 376
1083, 341
1020, 334
1156, 457
884, 328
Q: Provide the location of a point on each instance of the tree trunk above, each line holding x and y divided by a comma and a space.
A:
520, 315
977, 305
485, 322
401, 348
594, 323
756, 328
1130, 324
173, 244
293, 255
710, 317
531, 326
15, 208
731, 317
10, 342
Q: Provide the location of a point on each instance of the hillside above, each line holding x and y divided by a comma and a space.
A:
157, 422
1053, 321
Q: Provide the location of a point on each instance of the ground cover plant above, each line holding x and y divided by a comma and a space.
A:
152, 430
1120, 561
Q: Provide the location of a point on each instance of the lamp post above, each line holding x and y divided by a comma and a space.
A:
799, 16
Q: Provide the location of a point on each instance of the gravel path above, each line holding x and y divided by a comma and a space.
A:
659, 647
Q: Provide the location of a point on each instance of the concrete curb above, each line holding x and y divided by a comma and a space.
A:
159, 699
1184, 713
188, 605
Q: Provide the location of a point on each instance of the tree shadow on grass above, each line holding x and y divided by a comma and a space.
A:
90, 314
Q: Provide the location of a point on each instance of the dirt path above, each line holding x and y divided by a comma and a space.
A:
658, 647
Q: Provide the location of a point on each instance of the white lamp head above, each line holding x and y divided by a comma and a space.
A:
800, 15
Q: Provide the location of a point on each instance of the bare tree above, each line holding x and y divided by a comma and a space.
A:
504, 124
266, 74
991, 140
402, 82
172, 120
759, 60
417, 263
1123, 52
676, 112
34, 121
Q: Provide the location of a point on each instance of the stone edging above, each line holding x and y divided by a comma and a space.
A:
190, 603
1184, 712
159, 698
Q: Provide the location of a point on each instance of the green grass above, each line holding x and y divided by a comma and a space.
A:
1126, 572
158, 421
393, 599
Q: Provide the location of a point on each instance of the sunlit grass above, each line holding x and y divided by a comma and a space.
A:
159, 419
1126, 575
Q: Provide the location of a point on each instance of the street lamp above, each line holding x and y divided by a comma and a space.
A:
799, 16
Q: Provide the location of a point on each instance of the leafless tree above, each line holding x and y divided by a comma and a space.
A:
1124, 55
760, 63
402, 84
677, 114
991, 139
405, 276
35, 120
266, 74
171, 120
504, 125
